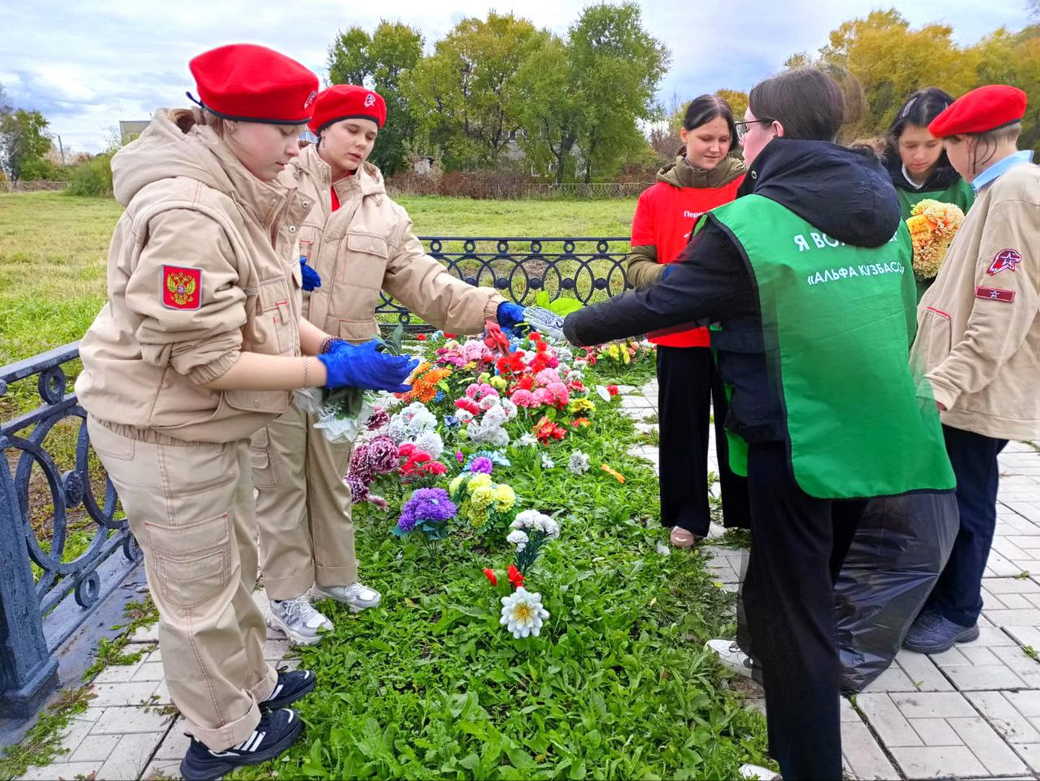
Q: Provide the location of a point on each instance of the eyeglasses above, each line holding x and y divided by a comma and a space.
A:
744, 126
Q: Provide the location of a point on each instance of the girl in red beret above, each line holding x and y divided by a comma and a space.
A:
199, 345
978, 341
361, 244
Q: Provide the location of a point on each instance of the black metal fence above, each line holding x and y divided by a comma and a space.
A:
63, 545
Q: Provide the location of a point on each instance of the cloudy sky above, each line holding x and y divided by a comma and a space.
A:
88, 65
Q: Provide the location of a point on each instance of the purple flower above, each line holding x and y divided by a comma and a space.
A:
358, 489
430, 505
379, 418
482, 464
382, 454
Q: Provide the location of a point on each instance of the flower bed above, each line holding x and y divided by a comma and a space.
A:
529, 627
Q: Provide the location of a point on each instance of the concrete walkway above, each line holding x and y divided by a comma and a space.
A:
972, 712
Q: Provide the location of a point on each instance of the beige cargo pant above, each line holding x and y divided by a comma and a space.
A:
190, 506
303, 507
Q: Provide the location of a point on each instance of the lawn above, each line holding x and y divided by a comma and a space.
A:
430, 685
53, 250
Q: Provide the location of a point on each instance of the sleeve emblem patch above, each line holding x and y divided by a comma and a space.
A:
995, 294
1005, 260
181, 287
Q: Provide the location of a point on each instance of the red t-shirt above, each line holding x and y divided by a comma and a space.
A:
335, 200
664, 218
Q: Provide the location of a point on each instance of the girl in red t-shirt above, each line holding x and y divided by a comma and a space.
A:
703, 176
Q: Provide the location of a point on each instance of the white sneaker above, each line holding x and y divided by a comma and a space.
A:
758, 772
355, 596
731, 656
298, 620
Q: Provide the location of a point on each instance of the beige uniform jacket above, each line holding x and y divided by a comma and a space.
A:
367, 246
202, 265
978, 338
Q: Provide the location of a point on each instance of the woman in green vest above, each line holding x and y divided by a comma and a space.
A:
916, 161
807, 277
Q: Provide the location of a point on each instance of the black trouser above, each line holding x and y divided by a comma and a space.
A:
797, 546
958, 593
688, 386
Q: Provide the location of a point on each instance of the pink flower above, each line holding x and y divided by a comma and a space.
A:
523, 398
560, 395
459, 456
543, 397
546, 376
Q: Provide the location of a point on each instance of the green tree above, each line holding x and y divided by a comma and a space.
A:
23, 144
891, 61
467, 95
616, 67
551, 110
738, 101
382, 61
1013, 58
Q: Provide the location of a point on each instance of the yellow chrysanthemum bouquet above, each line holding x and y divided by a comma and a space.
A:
932, 225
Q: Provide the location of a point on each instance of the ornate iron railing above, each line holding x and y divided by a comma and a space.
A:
64, 548
585, 268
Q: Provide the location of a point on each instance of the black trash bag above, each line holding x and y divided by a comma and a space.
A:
900, 548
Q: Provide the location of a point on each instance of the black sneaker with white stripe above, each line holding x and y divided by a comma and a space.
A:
291, 685
276, 731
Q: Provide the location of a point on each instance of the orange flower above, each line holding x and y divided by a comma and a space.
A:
424, 382
613, 473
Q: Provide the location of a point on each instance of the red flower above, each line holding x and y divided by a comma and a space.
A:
535, 336
490, 575
448, 336
421, 337
582, 422
612, 390
469, 405
513, 363
525, 383
436, 468
516, 577
546, 430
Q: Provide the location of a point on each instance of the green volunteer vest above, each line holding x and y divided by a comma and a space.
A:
837, 322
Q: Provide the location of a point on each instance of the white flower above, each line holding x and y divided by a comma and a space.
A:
431, 442
528, 440
536, 521
603, 393
578, 463
509, 407
517, 538
523, 614
547, 462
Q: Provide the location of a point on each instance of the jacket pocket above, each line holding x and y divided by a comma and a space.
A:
365, 261
357, 331
935, 334
260, 458
193, 562
274, 329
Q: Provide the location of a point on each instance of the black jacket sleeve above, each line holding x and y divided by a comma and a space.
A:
709, 283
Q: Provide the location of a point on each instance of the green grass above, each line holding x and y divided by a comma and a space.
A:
53, 251
617, 686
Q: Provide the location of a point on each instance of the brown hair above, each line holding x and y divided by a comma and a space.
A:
809, 103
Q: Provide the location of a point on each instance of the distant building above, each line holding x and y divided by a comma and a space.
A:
129, 130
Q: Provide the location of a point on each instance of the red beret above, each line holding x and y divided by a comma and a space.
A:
347, 101
254, 83
981, 110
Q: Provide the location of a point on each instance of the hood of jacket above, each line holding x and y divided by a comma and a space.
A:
368, 178
175, 144
682, 174
942, 176
846, 194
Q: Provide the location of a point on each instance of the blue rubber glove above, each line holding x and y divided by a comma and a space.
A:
510, 316
311, 278
335, 344
363, 366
